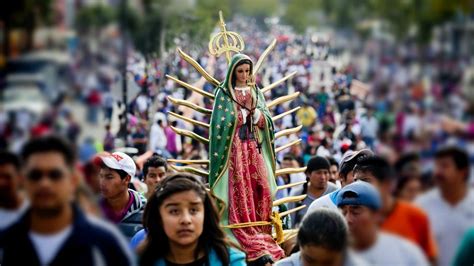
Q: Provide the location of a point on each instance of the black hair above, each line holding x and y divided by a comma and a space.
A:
157, 245
316, 163
120, 172
375, 165
325, 228
154, 161
50, 143
241, 62
346, 167
289, 157
7, 157
332, 162
458, 155
404, 160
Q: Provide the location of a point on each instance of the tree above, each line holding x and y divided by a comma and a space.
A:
27, 15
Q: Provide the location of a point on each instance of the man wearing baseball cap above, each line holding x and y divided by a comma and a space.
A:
360, 203
120, 205
346, 176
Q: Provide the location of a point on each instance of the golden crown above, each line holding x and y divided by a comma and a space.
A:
225, 41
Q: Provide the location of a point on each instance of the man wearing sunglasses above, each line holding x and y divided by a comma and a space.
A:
54, 231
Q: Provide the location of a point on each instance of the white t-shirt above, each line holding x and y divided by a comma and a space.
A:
326, 201
47, 246
393, 250
449, 223
9, 217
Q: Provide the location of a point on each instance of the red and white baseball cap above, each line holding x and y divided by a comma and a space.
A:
120, 161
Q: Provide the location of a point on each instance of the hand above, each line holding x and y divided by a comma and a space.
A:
256, 116
244, 115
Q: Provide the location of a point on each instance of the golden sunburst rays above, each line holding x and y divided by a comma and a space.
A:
283, 99
286, 171
263, 56
191, 105
295, 142
291, 185
190, 134
189, 120
191, 87
287, 235
189, 169
289, 199
198, 67
288, 131
275, 118
199, 162
278, 82
292, 210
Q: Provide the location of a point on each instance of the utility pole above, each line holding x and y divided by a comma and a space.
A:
123, 132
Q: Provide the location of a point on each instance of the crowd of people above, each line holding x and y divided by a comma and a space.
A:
389, 177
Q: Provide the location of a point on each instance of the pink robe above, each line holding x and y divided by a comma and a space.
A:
250, 198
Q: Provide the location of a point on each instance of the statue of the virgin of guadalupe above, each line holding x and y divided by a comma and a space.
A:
242, 161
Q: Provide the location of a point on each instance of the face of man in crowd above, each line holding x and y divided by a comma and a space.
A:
182, 217
154, 176
367, 177
50, 183
333, 173
8, 183
384, 188
348, 179
410, 190
111, 185
319, 178
312, 255
446, 173
288, 164
362, 222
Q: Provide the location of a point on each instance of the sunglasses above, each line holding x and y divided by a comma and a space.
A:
36, 175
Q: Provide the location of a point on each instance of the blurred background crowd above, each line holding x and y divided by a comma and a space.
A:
394, 78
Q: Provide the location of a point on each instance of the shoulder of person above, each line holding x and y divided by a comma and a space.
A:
353, 259
296, 191
414, 211
107, 239
236, 257
293, 260
427, 198
412, 253
322, 202
331, 188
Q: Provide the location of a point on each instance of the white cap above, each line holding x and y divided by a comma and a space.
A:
120, 161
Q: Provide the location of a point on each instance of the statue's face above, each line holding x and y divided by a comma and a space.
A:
242, 74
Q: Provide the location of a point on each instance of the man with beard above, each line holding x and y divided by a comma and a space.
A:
450, 205
12, 203
54, 231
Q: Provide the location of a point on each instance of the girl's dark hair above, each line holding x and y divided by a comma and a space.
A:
241, 62
157, 245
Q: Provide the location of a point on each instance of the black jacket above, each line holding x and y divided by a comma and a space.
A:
91, 242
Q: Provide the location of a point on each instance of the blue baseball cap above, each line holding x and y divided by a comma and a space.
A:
359, 193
